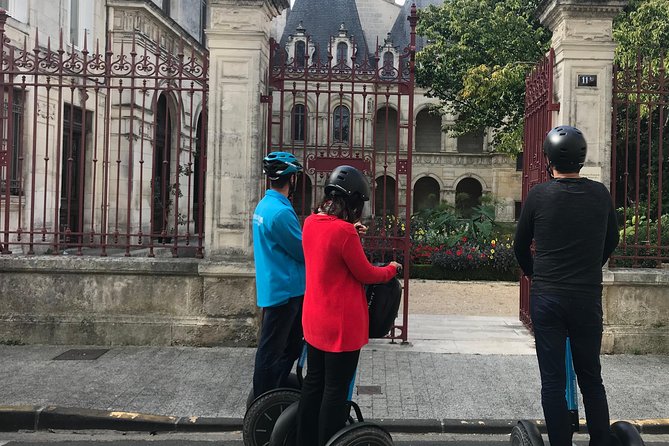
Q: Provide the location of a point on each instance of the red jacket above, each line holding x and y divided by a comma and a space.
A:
335, 316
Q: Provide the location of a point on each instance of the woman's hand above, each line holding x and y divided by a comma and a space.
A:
362, 229
398, 266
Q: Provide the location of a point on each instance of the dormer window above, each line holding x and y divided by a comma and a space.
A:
388, 64
342, 53
300, 53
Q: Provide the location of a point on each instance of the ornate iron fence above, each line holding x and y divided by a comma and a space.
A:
103, 152
640, 139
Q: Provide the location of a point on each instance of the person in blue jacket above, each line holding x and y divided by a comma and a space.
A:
280, 274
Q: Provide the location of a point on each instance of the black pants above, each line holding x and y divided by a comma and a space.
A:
279, 346
554, 318
324, 407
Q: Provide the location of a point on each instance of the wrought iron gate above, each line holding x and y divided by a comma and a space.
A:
539, 108
341, 105
103, 146
639, 167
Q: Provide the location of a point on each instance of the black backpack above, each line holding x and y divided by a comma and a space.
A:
383, 302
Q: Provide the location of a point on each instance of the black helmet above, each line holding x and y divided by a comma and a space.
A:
348, 182
277, 164
566, 148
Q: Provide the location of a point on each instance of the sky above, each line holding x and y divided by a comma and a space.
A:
399, 2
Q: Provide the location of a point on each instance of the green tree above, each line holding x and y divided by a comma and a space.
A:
475, 62
643, 29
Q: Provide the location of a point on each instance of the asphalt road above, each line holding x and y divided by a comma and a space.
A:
106, 438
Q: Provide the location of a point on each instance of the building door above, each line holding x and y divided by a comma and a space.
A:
73, 159
162, 199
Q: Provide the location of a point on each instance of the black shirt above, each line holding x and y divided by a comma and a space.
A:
573, 224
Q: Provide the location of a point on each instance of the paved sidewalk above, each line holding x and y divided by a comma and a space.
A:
435, 383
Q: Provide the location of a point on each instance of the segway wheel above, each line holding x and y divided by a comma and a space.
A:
626, 434
285, 429
261, 416
361, 434
526, 433
293, 382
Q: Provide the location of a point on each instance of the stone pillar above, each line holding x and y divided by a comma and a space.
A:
238, 41
583, 44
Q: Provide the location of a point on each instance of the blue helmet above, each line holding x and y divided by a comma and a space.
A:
278, 164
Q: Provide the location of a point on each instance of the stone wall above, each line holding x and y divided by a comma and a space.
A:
127, 301
636, 311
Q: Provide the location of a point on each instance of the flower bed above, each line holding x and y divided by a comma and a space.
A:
466, 260
447, 246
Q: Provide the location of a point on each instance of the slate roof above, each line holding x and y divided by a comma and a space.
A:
401, 29
322, 19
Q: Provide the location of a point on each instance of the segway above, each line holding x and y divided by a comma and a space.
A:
526, 432
262, 412
274, 414
356, 432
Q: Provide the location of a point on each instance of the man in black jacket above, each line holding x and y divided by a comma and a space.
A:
573, 224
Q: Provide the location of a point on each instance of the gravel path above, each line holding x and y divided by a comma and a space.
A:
463, 298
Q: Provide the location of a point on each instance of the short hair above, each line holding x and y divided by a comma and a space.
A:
280, 182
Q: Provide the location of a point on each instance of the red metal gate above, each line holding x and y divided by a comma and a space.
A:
539, 108
102, 152
341, 105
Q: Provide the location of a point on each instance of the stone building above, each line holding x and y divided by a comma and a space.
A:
100, 107
453, 170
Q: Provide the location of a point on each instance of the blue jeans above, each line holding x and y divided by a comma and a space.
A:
554, 318
279, 346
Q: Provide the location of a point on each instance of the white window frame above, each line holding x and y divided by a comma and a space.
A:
86, 19
18, 10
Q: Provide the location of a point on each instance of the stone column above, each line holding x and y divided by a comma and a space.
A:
583, 43
238, 41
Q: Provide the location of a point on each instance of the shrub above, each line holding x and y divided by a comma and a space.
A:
639, 239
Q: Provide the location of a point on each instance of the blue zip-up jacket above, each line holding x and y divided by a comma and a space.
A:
277, 250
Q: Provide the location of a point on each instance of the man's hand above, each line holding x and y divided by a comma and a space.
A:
362, 229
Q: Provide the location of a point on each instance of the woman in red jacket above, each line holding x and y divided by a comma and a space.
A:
335, 318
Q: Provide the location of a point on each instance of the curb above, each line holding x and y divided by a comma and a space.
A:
35, 418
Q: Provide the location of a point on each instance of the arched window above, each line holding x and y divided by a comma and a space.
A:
299, 122
342, 53
385, 130
428, 132
425, 194
303, 196
468, 194
471, 142
341, 121
300, 53
384, 196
